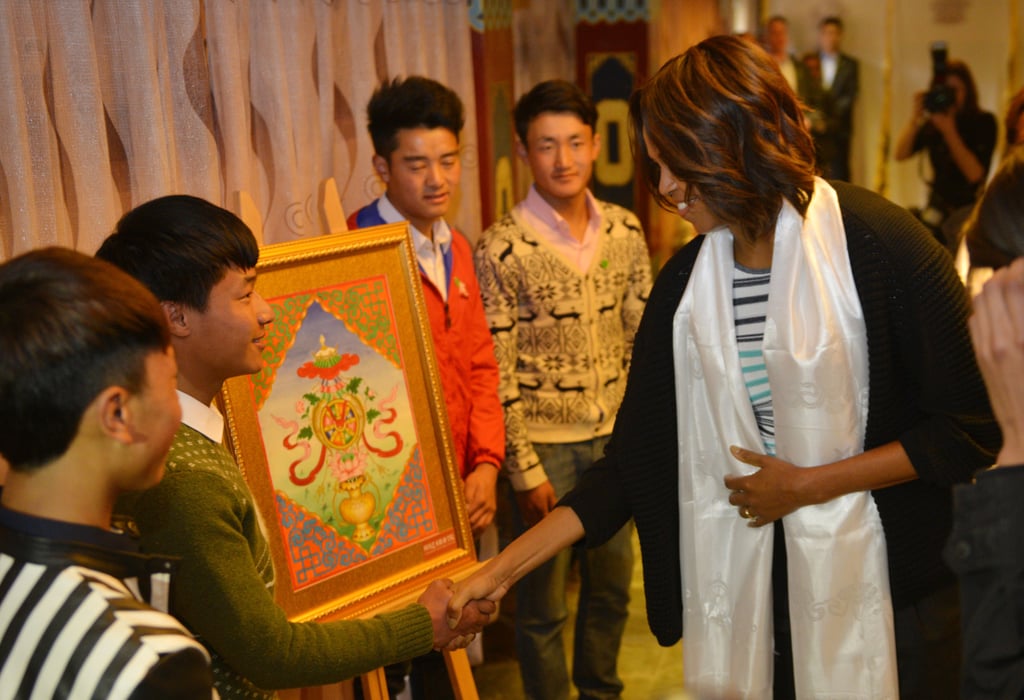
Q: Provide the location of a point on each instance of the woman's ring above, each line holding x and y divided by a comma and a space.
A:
745, 512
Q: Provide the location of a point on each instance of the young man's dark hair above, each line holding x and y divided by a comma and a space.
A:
559, 96
80, 325
180, 247
833, 20
410, 103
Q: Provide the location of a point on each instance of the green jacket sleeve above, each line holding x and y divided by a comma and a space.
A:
220, 594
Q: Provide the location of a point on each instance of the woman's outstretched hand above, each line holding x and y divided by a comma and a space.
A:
481, 586
446, 635
559, 529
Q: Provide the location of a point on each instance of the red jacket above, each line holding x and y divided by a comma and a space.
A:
465, 356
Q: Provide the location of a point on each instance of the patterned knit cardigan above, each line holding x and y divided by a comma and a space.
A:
562, 338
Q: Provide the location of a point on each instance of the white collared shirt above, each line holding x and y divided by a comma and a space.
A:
788, 68
429, 253
829, 64
201, 418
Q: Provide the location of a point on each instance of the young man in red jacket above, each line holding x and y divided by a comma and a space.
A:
414, 124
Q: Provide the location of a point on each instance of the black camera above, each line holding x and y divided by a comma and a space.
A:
940, 96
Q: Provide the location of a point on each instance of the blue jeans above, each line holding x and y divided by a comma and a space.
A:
541, 612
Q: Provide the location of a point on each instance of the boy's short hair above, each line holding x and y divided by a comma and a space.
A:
410, 103
831, 19
180, 247
70, 326
559, 96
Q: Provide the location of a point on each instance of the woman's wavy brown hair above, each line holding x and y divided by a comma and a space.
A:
724, 120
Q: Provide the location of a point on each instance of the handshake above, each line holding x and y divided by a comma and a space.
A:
454, 633
460, 612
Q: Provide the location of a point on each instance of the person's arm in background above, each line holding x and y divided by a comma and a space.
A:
907, 142
967, 161
986, 547
486, 446
997, 333
499, 280
844, 102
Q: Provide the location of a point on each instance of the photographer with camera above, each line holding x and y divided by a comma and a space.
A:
960, 139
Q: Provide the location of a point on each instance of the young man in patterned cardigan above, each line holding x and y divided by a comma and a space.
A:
564, 278
89, 409
200, 262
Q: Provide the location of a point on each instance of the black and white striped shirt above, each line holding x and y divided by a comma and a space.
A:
750, 307
70, 626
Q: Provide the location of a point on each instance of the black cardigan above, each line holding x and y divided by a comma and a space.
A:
925, 391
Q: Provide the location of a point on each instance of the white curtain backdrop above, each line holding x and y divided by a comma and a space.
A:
110, 103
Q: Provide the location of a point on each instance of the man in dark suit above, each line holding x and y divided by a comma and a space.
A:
833, 83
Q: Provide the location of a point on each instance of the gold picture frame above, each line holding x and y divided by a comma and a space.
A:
343, 436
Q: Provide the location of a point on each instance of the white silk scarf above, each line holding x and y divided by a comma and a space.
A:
815, 349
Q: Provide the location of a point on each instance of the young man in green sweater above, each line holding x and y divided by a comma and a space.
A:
199, 260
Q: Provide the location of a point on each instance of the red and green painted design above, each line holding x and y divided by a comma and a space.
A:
317, 551
363, 306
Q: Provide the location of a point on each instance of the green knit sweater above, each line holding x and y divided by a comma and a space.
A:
203, 512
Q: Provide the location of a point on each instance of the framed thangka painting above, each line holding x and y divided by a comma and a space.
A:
343, 436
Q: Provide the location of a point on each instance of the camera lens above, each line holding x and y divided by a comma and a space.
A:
939, 99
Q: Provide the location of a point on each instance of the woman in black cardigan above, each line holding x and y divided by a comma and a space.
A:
721, 138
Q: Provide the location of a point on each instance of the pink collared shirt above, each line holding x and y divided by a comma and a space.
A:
546, 222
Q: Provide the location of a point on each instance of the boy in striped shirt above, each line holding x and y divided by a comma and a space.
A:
89, 409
